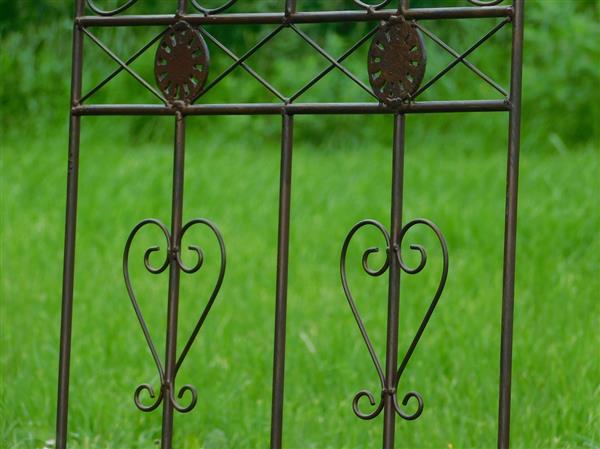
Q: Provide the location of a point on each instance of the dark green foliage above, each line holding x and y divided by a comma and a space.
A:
561, 97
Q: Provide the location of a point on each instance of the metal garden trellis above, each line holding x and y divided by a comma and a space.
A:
396, 67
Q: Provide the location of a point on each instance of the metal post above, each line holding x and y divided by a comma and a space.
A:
510, 230
181, 7
389, 413
174, 273
266, 18
285, 185
290, 7
62, 412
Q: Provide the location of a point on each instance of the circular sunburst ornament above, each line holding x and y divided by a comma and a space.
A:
181, 64
396, 62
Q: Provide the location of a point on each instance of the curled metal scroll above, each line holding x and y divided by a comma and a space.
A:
110, 12
184, 408
196, 267
136, 307
371, 7
359, 321
392, 251
485, 2
172, 255
208, 11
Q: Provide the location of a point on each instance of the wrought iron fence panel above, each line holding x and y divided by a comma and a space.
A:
396, 67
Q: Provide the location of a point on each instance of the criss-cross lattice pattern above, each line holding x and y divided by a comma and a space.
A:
395, 66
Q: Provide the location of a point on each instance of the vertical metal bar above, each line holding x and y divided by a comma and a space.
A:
181, 7
62, 408
404, 6
285, 186
174, 272
389, 414
290, 7
510, 230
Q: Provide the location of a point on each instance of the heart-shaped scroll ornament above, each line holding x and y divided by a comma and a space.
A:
172, 259
392, 251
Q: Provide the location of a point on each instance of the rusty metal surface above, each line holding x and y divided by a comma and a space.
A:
396, 61
181, 63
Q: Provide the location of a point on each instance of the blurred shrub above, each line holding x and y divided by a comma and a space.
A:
560, 92
561, 99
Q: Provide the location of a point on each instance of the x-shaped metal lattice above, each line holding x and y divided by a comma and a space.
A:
334, 63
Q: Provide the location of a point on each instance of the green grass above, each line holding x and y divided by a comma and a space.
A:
235, 184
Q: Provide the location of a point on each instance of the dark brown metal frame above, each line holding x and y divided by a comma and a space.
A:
287, 108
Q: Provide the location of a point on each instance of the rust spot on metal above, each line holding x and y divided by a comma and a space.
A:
181, 64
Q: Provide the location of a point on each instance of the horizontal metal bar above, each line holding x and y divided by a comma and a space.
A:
297, 108
469, 12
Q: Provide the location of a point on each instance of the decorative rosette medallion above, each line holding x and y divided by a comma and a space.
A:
396, 62
181, 64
